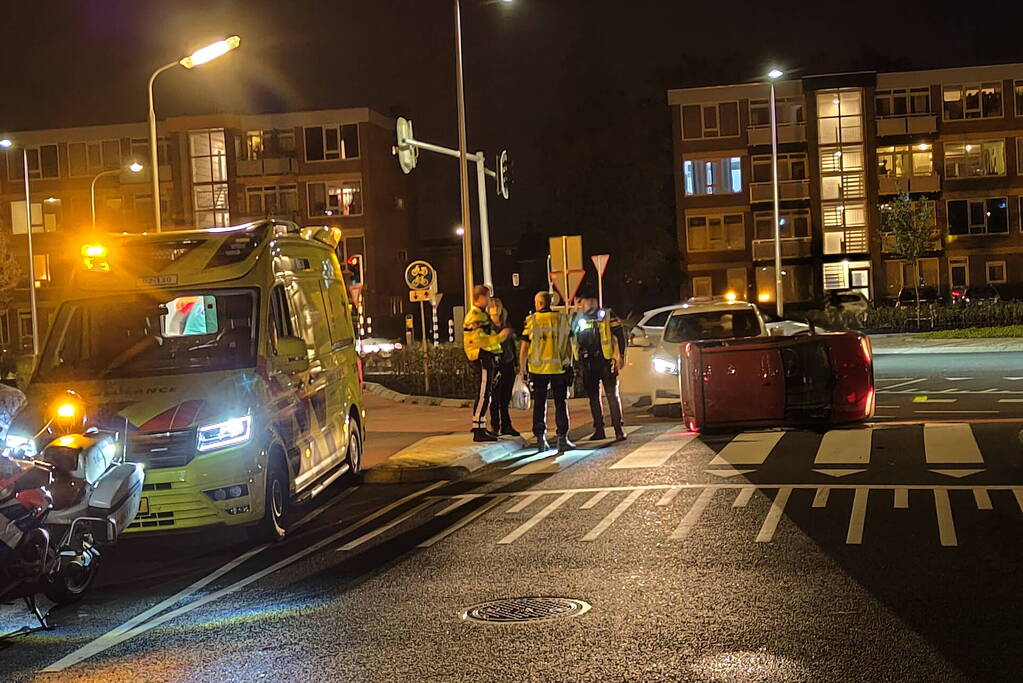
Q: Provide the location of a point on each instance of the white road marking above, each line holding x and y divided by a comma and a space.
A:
957, 379
693, 516
125, 632
902, 384
954, 412
859, 512
524, 503
459, 502
610, 518
356, 542
748, 448
655, 452
946, 527
837, 473
554, 465
313, 514
766, 534
901, 499
983, 499
928, 399
948, 442
1010, 400
728, 472
668, 496
745, 493
592, 502
885, 407
472, 516
958, 474
1013, 379
1018, 493
536, 519
851, 446
820, 498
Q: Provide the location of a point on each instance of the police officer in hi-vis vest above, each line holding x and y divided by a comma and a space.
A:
545, 356
600, 349
482, 344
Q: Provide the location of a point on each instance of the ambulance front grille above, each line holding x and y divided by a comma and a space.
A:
158, 450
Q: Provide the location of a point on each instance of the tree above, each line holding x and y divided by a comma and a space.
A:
910, 225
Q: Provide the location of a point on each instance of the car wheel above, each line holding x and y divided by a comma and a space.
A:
354, 455
271, 528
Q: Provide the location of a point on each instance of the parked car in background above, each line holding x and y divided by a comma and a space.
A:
907, 296
825, 378
848, 301
981, 295
636, 377
782, 327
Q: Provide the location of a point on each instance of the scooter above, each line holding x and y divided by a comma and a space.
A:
58, 507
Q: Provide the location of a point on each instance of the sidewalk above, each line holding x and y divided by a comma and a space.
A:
912, 343
412, 442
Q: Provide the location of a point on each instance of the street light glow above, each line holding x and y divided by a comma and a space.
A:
774, 74
211, 52
135, 167
459, 231
6, 143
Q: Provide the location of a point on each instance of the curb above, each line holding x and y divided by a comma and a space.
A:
391, 395
460, 467
923, 350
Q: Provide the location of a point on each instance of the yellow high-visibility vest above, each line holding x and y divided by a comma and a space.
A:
605, 322
479, 334
548, 334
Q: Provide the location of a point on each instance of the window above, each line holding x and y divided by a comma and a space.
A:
712, 176
18, 226
715, 233
41, 266
330, 143
716, 120
1019, 97
209, 177
683, 326
703, 286
790, 167
42, 163
840, 117
972, 101
335, 198
271, 200
792, 223
974, 159
788, 110
268, 144
978, 216
143, 207
995, 272
89, 158
737, 281
902, 102
25, 329
901, 161
959, 272
1019, 155
5, 328
139, 151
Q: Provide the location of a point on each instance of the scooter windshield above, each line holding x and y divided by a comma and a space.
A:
151, 334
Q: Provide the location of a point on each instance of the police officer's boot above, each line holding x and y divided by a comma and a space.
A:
541, 444
564, 444
481, 435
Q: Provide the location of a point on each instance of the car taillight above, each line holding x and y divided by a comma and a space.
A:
868, 354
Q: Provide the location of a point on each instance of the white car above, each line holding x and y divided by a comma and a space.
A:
636, 377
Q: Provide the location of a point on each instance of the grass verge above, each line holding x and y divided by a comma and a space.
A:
975, 333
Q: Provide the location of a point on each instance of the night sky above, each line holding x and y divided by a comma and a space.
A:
81, 62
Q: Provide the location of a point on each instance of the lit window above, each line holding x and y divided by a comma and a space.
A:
720, 232
335, 198
973, 159
972, 101
712, 176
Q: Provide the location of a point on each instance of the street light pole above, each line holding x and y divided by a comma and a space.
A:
31, 259
779, 295
135, 167
463, 169
154, 167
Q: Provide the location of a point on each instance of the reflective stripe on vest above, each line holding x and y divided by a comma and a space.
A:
548, 339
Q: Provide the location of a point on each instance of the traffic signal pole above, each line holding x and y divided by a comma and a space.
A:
481, 192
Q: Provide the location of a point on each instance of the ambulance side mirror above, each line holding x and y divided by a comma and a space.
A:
292, 355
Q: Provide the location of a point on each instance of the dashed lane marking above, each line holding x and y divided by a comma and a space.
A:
596, 498
901, 501
610, 518
774, 515
745, 494
983, 499
537, 518
464, 521
820, 497
693, 516
859, 513
903, 384
946, 527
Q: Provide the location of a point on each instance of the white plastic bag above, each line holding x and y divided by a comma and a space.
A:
520, 398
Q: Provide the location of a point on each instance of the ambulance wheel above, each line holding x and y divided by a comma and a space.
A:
271, 528
71, 582
354, 455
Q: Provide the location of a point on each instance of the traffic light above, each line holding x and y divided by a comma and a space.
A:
504, 174
408, 156
355, 266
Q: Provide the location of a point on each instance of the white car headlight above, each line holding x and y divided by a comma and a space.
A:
223, 434
20, 445
665, 366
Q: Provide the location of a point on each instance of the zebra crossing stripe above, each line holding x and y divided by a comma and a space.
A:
820, 498
693, 516
766, 534
983, 499
844, 446
608, 520
859, 512
748, 448
655, 452
536, 519
950, 442
946, 527
745, 494
464, 521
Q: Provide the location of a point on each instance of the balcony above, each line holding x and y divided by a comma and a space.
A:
917, 183
848, 241
787, 189
787, 132
791, 247
907, 125
270, 166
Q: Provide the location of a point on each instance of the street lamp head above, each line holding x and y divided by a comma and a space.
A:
460, 231
135, 167
6, 143
774, 74
210, 52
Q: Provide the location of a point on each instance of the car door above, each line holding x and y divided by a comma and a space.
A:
344, 371
742, 383
637, 375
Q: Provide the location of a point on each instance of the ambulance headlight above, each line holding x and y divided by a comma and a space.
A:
223, 434
665, 366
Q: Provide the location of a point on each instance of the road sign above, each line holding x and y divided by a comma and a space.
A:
568, 283
419, 295
600, 263
420, 275
356, 294
435, 299
567, 264
408, 155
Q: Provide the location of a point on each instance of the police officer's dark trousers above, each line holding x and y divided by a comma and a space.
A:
484, 369
597, 371
504, 382
557, 387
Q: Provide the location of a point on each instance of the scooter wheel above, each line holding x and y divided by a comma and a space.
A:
71, 582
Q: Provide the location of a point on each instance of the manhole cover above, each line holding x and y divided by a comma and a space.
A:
514, 610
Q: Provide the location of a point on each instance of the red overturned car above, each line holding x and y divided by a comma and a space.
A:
808, 379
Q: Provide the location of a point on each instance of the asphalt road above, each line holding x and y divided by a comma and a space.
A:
888, 552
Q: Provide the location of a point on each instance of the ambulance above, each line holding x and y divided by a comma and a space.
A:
225, 357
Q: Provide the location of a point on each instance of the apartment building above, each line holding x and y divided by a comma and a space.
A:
327, 167
848, 143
